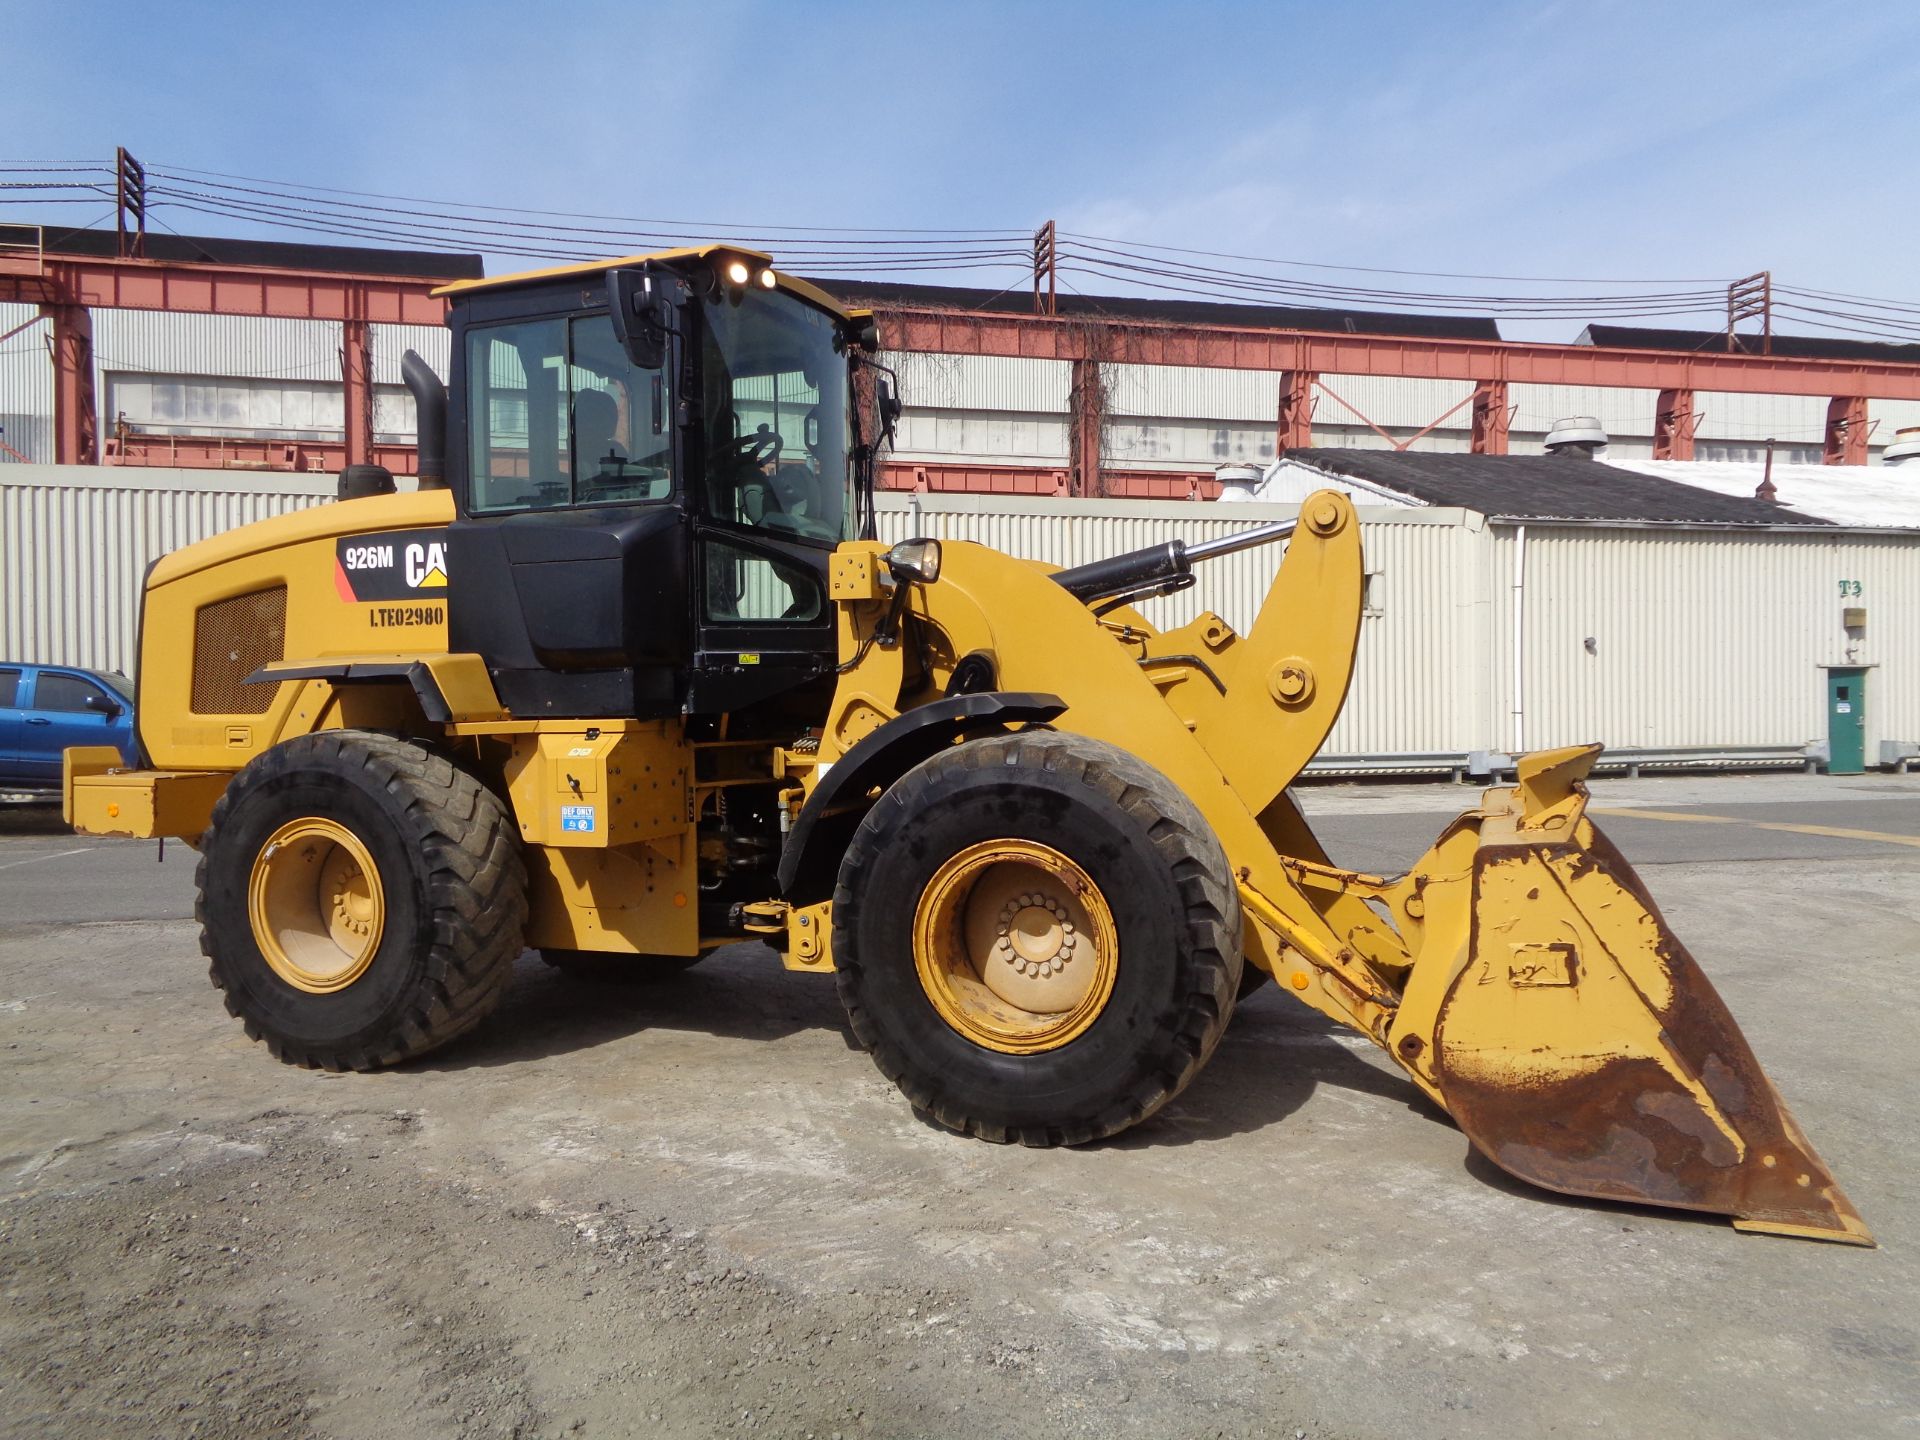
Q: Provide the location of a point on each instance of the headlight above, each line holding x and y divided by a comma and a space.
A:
915, 560
738, 272
767, 279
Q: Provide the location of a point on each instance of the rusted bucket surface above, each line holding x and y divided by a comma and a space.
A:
1583, 1049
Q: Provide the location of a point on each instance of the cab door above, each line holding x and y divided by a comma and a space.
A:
569, 562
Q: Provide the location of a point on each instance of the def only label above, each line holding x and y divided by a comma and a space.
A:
394, 566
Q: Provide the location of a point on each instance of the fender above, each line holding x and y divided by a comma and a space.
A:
811, 860
450, 688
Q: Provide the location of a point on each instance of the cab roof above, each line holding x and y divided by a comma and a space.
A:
790, 283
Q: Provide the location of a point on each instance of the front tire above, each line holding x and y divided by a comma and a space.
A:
1037, 938
361, 902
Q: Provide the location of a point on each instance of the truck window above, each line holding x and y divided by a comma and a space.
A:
63, 692
9, 689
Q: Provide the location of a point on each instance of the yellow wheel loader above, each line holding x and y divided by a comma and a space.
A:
629, 678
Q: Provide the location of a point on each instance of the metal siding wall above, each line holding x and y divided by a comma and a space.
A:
981, 382
1724, 416
1702, 637
1620, 412
26, 387
1887, 416
1418, 677
255, 347
390, 342
961, 435
75, 543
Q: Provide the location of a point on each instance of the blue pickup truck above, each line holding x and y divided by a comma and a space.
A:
46, 708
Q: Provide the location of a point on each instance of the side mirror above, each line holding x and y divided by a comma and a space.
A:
916, 560
641, 304
889, 405
102, 705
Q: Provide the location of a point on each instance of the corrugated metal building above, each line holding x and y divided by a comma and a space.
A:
1647, 636
969, 408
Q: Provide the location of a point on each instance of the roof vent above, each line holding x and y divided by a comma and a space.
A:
1238, 482
1905, 449
1580, 437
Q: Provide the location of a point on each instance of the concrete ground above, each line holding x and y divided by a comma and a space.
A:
693, 1209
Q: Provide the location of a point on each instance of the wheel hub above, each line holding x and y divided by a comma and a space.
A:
316, 906
1015, 946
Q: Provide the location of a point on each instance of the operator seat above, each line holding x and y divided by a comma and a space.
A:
597, 457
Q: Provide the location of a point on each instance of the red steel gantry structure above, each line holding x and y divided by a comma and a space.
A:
65, 288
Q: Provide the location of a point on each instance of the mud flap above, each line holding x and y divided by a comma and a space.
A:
1582, 1049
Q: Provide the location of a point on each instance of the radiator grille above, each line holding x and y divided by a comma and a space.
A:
232, 639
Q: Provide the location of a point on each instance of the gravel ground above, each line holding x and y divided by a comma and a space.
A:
693, 1209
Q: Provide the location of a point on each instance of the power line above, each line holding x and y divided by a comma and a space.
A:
852, 252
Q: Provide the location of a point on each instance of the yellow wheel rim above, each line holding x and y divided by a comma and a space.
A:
1015, 946
316, 906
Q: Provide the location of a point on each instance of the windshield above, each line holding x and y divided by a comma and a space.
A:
776, 407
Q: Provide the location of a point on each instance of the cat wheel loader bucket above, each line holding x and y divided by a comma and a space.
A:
1573, 1038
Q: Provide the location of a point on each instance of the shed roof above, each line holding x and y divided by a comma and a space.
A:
1843, 494
1806, 347
277, 254
1547, 487
1017, 300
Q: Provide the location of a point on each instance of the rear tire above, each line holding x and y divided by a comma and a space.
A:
1069, 845
599, 968
361, 902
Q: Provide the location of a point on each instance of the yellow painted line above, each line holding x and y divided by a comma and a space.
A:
1834, 831
1667, 815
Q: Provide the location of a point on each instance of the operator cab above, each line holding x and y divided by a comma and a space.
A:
652, 461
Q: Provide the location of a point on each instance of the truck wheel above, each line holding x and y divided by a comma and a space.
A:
1037, 938
361, 901
622, 969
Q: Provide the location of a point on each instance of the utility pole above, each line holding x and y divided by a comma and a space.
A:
129, 199
1749, 297
1044, 268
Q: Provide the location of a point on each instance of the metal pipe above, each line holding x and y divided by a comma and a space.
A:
430, 411
1519, 640
1160, 569
1242, 540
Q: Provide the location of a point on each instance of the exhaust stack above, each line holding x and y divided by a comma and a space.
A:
430, 406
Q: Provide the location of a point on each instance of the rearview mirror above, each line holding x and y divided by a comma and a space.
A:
889, 406
641, 304
102, 705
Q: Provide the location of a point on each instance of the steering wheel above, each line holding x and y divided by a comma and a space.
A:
750, 452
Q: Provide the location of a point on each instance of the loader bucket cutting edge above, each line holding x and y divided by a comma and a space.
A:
1582, 1049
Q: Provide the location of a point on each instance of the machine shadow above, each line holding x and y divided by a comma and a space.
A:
1622, 1211
1274, 1055
740, 993
32, 818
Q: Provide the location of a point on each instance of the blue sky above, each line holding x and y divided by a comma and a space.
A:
1614, 140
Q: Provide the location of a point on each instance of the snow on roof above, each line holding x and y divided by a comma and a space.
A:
1843, 494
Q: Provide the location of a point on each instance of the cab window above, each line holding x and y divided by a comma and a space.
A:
776, 413
557, 415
